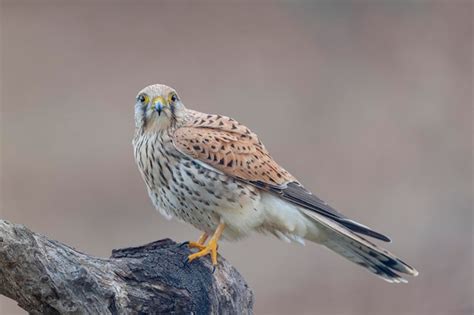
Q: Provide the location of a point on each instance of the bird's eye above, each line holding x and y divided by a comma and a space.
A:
173, 97
142, 98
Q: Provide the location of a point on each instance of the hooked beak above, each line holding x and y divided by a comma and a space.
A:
158, 103
158, 108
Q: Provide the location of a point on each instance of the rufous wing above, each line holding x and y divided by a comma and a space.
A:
231, 148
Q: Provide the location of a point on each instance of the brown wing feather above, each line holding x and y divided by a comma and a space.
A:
233, 149
230, 147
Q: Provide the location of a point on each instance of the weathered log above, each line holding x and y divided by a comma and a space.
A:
48, 277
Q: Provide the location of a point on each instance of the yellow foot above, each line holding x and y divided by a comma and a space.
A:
200, 243
196, 245
210, 248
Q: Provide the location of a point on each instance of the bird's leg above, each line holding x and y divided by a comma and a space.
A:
211, 247
200, 243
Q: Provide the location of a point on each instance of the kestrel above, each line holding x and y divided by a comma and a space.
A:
215, 174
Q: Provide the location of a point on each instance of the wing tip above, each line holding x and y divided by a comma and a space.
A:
362, 229
383, 238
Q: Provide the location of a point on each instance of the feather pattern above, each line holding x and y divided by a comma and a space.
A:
360, 251
233, 149
230, 147
209, 170
297, 194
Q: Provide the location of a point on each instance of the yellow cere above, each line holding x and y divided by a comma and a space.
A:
159, 99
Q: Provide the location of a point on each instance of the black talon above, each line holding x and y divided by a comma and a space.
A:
213, 269
183, 244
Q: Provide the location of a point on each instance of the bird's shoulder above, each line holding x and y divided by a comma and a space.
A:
225, 124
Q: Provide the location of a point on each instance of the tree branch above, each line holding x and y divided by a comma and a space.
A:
48, 277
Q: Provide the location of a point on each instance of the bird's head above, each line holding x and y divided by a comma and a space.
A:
157, 107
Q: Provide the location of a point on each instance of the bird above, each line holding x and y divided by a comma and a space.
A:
214, 173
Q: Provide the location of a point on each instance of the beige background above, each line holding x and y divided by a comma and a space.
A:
367, 103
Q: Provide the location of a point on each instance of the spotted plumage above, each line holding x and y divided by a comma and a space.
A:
215, 173
229, 147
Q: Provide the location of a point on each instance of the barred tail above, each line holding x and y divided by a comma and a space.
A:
380, 262
359, 250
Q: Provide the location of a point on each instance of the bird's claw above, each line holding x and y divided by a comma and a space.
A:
209, 249
196, 245
183, 244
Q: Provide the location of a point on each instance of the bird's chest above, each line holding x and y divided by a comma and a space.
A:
156, 158
181, 187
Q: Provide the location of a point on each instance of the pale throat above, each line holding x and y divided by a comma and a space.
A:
157, 124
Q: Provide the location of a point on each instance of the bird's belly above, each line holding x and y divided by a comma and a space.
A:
204, 198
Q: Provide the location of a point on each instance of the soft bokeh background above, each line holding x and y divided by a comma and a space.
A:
368, 103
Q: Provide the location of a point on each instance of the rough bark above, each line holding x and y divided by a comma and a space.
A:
48, 277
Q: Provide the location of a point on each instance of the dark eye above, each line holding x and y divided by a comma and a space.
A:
142, 98
174, 98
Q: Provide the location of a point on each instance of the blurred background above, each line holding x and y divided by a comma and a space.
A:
368, 103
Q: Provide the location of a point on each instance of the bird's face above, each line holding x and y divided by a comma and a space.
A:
157, 107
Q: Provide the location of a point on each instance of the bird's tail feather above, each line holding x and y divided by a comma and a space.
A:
375, 261
358, 250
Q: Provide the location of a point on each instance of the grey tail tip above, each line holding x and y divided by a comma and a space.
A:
398, 279
404, 268
392, 276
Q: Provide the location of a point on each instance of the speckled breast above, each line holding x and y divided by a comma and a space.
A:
181, 187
